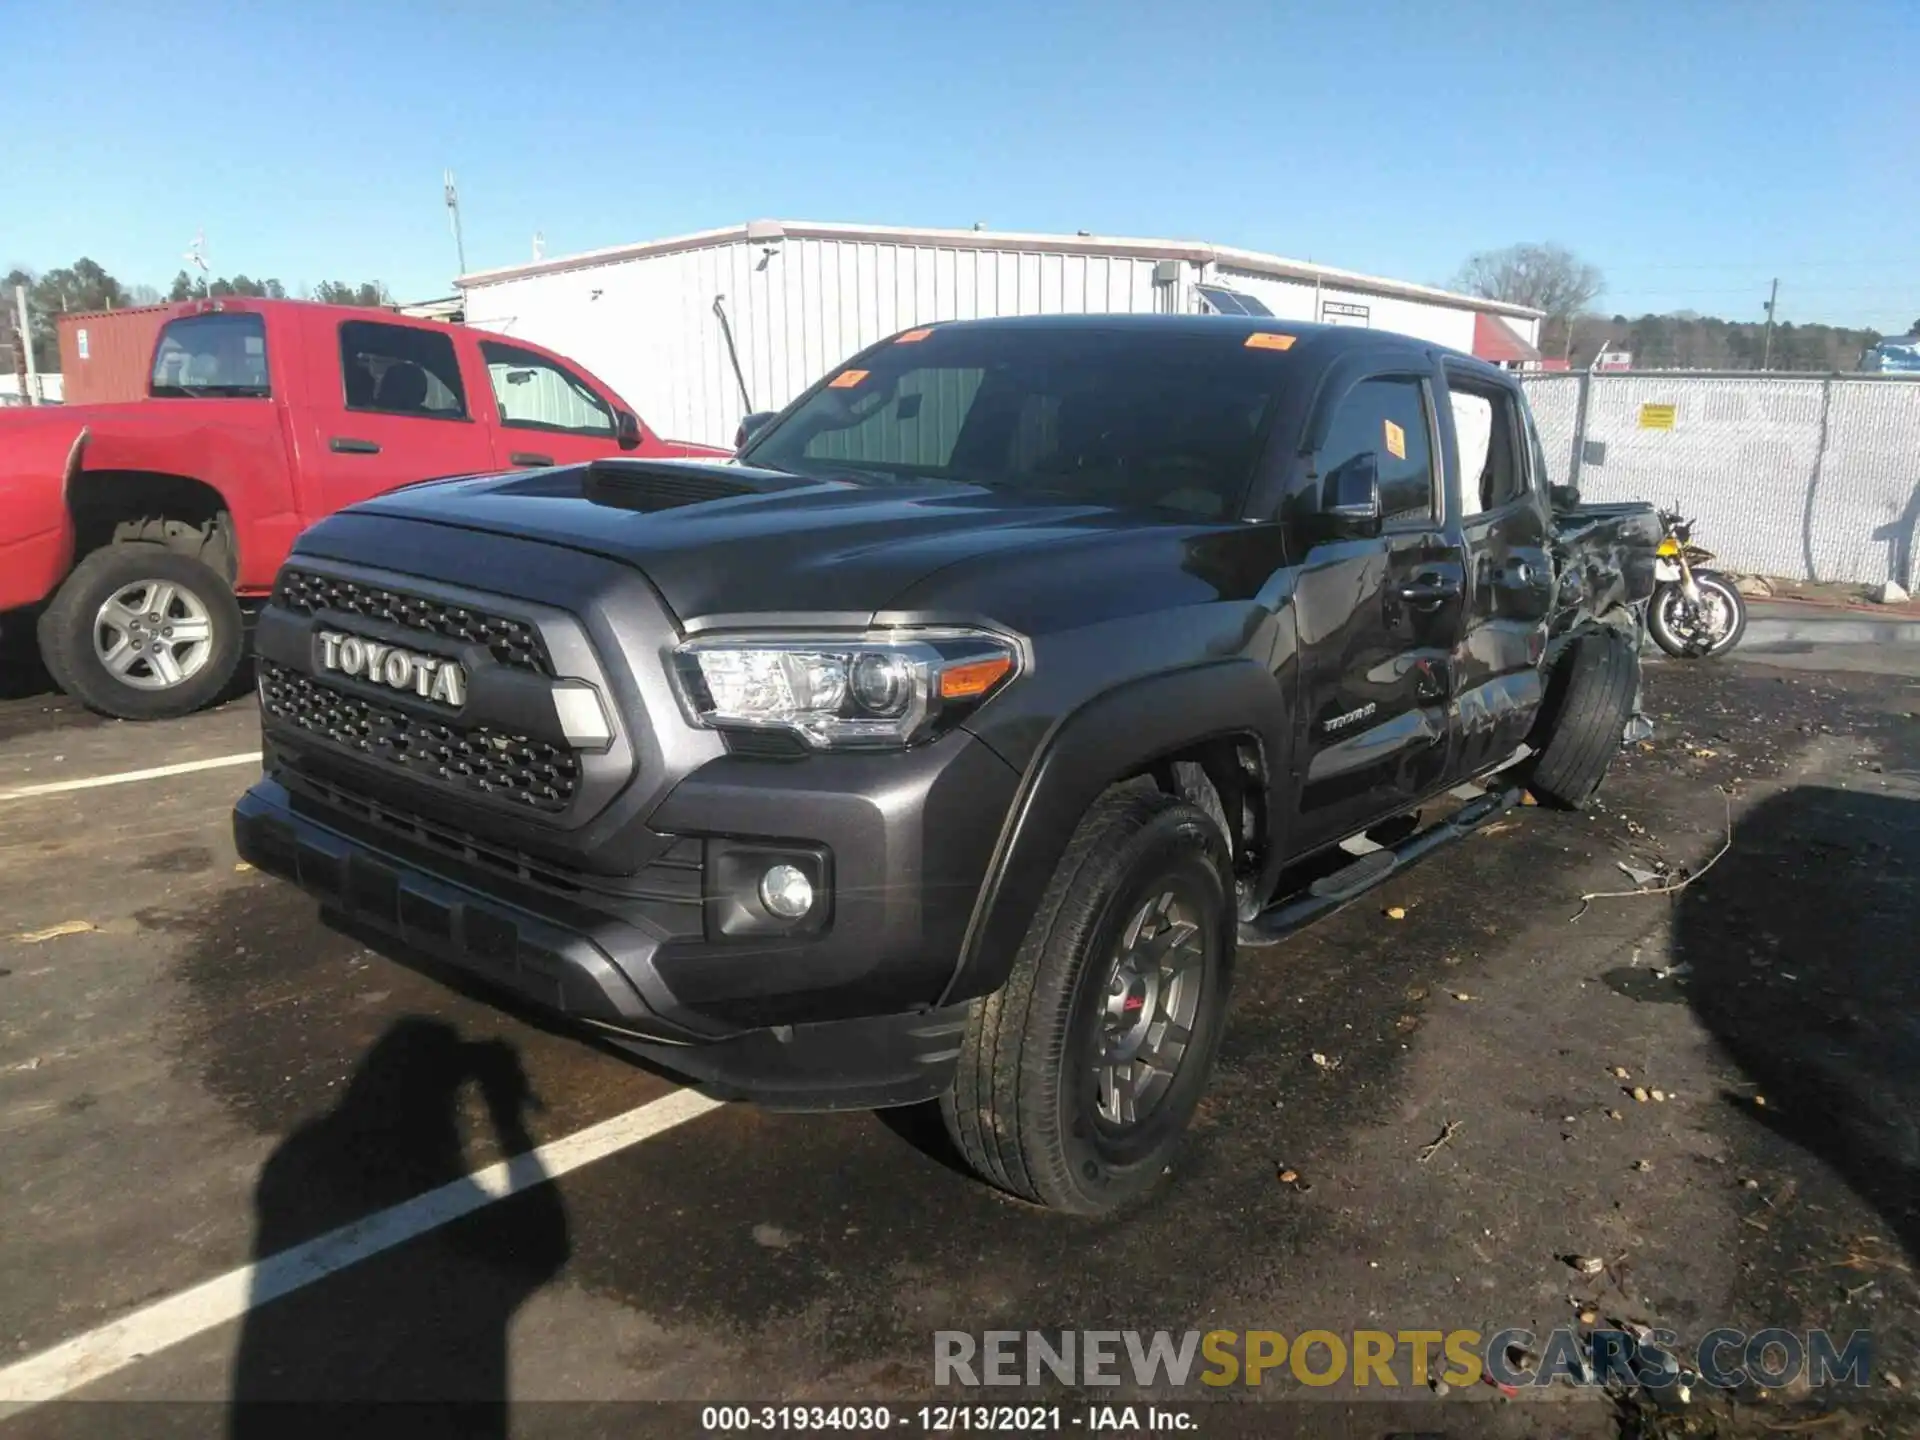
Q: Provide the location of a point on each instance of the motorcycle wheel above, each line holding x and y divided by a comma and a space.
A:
1682, 634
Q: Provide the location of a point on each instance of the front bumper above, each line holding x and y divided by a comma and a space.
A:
845, 1016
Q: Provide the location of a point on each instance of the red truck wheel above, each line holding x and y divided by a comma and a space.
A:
142, 633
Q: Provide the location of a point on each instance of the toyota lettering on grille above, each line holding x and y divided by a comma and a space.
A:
428, 676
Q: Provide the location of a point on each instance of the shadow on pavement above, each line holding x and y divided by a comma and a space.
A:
424, 1324
1803, 954
22, 676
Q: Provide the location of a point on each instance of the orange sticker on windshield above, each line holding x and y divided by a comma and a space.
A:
913, 337
846, 379
1396, 439
1267, 340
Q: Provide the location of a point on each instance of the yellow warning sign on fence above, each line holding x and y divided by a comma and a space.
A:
1656, 417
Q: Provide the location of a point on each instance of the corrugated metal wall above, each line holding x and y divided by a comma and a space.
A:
647, 326
1295, 300
1806, 477
119, 353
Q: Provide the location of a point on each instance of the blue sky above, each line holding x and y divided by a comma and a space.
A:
1693, 149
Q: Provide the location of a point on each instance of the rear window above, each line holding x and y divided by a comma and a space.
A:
1173, 421
222, 356
400, 370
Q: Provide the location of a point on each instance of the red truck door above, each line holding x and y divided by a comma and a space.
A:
550, 414
387, 406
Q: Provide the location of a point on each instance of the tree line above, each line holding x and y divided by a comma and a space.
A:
86, 286
1553, 279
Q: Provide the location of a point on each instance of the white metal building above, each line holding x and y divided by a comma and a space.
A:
652, 319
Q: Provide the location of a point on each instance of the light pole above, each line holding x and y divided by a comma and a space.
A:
1766, 354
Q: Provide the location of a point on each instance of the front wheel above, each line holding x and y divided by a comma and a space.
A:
1697, 632
1077, 1078
142, 633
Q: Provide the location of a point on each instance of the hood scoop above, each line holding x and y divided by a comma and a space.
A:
649, 485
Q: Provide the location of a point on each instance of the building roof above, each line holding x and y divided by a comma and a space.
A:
1193, 251
1494, 339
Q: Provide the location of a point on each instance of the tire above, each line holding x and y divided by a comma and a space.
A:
76, 635
1589, 700
1662, 611
1025, 1109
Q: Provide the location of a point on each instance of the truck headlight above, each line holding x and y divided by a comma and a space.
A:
879, 690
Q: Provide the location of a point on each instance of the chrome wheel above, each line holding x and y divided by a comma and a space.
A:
153, 635
1706, 628
1147, 1012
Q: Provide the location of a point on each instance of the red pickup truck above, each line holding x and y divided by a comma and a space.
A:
133, 536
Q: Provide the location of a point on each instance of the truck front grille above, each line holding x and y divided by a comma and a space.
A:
513, 642
476, 758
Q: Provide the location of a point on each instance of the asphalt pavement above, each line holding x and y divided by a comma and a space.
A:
200, 1078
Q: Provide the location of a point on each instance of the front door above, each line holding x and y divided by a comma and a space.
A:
1497, 684
547, 414
402, 414
1379, 622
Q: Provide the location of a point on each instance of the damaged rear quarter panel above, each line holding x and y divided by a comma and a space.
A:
1603, 555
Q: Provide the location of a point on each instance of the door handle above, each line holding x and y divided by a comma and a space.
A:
346, 445
1429, 592
529, 457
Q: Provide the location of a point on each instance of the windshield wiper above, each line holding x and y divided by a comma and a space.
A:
216, 392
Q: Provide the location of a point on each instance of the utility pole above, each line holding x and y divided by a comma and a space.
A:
23, 346
453, 216
1766, 354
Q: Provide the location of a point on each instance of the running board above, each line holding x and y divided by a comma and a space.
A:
1330, 892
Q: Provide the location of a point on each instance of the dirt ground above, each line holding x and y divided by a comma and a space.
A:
209, 1074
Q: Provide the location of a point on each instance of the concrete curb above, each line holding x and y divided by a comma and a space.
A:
1766, 631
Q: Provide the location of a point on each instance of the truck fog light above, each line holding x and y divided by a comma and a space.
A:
786, 892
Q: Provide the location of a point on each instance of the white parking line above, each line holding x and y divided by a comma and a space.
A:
68, 1366
158, 772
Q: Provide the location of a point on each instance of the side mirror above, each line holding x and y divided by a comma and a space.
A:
1349, 502
751, 426
1563, 497
626, 429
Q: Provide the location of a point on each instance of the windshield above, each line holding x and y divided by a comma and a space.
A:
1173, 420
211, 355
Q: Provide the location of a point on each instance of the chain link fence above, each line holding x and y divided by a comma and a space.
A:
1804, 477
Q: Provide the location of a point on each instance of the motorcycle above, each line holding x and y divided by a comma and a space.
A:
1695, 613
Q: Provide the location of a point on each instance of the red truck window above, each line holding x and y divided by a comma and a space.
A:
211, 355
398, 370
533, 393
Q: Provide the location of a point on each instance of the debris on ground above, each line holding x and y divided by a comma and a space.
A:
1586, 1264
1447, 1132
1639, 1092
1642, 878
1396, 912
771, 1236
1680, 882
1326, 1062
54, 932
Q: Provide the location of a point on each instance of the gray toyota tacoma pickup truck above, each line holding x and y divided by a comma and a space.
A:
946, 743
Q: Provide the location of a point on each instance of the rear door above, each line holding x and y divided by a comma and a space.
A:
388, 408
1379, 619
1503, 526
547, 414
